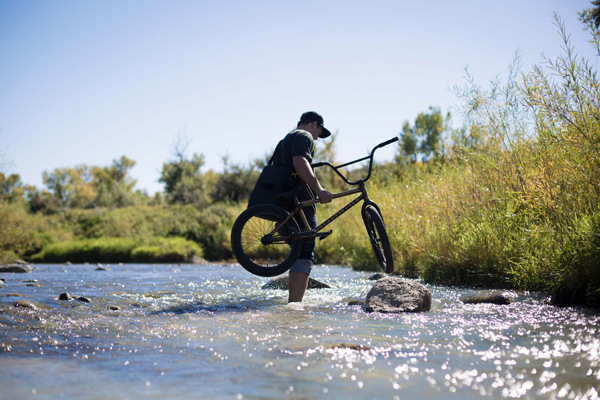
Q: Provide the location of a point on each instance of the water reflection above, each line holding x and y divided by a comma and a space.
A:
210, 331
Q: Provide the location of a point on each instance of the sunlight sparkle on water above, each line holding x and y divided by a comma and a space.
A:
165, 332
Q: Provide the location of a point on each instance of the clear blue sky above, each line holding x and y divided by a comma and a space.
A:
85, 82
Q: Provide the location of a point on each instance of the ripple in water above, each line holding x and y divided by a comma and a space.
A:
211, 331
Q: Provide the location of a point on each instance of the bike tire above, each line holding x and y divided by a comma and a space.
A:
255, 256
379, 239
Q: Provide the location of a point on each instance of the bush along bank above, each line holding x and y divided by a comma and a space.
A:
125, 250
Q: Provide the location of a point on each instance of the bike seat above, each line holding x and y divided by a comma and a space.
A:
290, 194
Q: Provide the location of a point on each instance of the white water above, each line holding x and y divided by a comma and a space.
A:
212, 332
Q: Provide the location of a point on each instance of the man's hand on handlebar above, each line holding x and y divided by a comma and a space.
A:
325, 196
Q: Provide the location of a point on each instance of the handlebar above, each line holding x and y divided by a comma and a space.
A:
369, 157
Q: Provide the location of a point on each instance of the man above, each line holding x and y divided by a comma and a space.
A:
297, 150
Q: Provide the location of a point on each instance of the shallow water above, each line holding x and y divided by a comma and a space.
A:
211, 332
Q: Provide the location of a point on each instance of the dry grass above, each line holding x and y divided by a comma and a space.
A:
516, 203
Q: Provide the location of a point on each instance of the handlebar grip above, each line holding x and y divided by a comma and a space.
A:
389, 141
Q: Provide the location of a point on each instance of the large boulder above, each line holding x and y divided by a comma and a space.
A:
281, 282
15, 268
396, 295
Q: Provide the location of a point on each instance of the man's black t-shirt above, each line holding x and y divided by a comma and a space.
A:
295, 143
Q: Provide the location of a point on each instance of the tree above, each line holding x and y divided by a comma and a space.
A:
85, 187
591, 16
41, 201
10, 187
66, 183
184, 183
425, 137
591, 20
113, 185
408, 145
235, 183
326, 151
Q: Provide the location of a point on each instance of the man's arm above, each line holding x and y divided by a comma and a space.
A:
302, 167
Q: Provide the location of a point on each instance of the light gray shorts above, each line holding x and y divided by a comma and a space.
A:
302, 266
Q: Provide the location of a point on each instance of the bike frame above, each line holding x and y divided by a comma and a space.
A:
306, 232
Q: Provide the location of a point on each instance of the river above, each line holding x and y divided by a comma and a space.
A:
190, 331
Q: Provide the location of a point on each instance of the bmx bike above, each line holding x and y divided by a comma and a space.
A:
266, 239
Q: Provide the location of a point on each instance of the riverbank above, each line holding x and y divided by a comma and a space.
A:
422, 247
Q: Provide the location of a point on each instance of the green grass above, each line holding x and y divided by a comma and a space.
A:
126, 250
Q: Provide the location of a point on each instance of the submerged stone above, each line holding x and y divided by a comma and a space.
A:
113, 308
103, 269
396, 295
84, 299
32, 305
357, 302
26, 304
347, 345
282, 282
376, 277
491, 298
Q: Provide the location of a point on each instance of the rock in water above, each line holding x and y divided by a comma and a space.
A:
26, 304
395, 295
492, 298
282, 283
15, 268
32, 305
357, 302
65, 297
348, 345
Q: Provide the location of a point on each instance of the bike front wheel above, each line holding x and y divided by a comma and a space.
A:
379, 238
258, 248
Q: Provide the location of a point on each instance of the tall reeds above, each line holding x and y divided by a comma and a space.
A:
516, 202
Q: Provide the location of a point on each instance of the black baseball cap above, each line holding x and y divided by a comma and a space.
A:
312, 116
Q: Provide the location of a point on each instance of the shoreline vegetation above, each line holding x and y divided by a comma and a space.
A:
509, 200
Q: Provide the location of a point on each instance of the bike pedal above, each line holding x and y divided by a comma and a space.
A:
323, 235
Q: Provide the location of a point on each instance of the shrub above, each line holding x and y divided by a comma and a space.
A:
114, 250
23, 234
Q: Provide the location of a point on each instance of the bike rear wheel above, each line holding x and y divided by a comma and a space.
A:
259, 252
379, 238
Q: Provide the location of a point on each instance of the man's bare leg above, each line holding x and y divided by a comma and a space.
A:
298, 281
